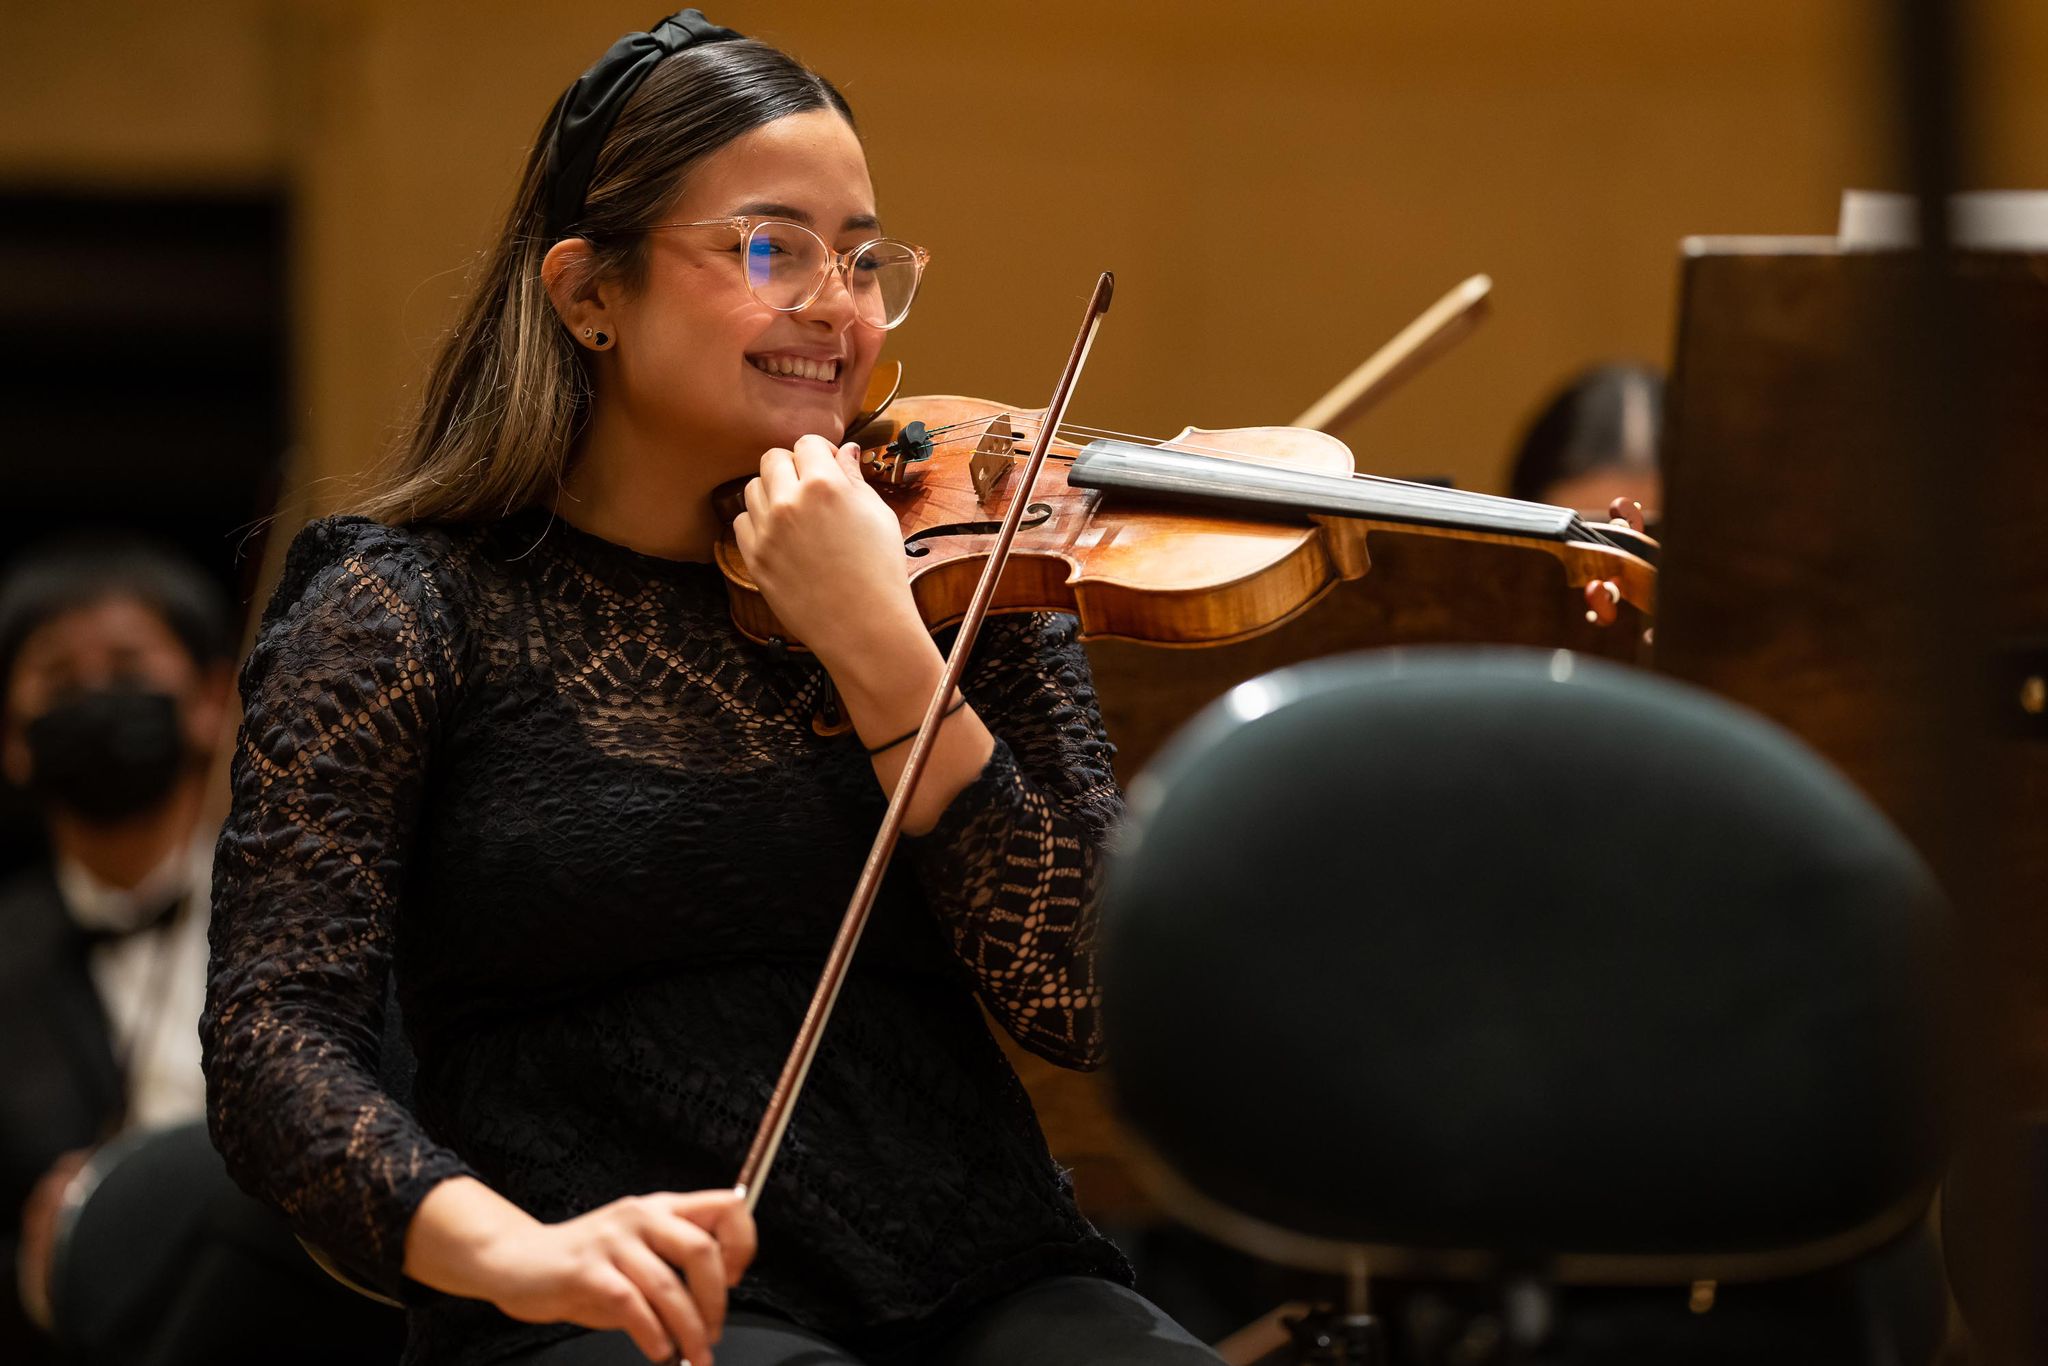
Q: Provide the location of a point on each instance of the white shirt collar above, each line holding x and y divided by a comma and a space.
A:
97, 905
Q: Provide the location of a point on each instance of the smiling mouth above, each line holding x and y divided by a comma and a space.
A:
797, 367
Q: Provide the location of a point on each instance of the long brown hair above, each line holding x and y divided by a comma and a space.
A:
509, 389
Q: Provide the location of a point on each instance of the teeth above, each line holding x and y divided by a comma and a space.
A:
798, 367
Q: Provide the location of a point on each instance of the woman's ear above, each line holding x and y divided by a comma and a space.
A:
579, 292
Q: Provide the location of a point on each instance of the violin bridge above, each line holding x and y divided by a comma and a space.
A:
992, 458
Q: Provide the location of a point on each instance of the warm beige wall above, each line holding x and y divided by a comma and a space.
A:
129, 93
1275, 199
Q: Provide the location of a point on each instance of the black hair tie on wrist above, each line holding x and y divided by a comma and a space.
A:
874, 750
584, 116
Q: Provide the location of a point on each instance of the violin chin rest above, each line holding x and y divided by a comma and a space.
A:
883, 386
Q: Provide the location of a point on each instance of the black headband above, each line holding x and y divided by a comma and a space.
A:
585, 114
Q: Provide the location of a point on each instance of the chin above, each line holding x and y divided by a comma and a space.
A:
828, 422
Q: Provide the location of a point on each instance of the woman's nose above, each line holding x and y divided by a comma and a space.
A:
834, 305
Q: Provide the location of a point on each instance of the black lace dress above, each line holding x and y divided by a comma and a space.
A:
595, 835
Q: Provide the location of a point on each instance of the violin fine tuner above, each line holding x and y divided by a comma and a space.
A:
996, 450
886, 465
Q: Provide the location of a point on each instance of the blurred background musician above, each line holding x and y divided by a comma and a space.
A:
114, 661
1595, 440
131, 1244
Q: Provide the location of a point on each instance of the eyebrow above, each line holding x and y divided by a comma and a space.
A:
764, 209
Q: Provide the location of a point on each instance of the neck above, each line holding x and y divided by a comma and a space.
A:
122, 855
628, 485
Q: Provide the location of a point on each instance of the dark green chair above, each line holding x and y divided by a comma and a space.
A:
1518, 969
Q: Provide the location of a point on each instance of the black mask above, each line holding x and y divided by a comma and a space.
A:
106, 755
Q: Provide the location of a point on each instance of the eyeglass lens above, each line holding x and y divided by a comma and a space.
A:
787, 266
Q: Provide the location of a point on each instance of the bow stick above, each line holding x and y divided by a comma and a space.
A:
782, 1103
1444, 325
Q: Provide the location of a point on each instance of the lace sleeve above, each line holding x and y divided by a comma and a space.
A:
343, 694
1011, 867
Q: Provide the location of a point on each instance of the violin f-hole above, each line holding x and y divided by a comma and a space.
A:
1035, 514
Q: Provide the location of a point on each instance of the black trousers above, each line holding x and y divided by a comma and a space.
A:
1071, 1320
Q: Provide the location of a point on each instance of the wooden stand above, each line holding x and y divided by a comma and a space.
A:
1788, 580
1885, 597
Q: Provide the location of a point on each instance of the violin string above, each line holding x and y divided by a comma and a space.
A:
1011, 455
1071, 430
955, 426
1076, 431
1431, 495
1449, 496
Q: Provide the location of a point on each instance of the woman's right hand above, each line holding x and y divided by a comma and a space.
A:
655, 1266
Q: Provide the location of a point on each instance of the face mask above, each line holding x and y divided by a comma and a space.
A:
106, 755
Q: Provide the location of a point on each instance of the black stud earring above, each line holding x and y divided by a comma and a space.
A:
603, 341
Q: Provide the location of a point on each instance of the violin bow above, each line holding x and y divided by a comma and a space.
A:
1443, 325
782, 1102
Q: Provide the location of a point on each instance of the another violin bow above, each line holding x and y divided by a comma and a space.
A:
782, 1103
1442, 326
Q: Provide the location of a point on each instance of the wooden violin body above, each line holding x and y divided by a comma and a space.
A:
1184, 568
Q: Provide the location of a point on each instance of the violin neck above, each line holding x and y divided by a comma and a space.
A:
1162, 472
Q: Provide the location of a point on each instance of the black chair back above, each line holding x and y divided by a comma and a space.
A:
1518, 952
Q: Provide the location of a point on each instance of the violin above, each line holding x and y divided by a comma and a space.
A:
1206, 538
1203, 538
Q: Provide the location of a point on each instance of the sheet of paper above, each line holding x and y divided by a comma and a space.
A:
1983, 220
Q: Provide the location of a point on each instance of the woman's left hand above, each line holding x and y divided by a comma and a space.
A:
827, 552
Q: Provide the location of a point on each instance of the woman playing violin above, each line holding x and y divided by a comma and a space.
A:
504, 748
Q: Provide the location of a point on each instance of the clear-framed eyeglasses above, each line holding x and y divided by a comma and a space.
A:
786, 265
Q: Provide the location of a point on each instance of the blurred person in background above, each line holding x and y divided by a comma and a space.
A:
115, 683
1596, 440
114, 660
